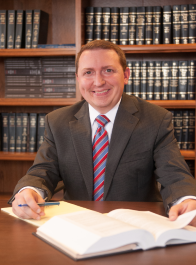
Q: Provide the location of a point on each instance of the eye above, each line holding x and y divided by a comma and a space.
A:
109, 70
87, 72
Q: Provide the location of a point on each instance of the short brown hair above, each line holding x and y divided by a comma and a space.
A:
102, 44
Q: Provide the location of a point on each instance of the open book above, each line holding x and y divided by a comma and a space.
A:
87, 233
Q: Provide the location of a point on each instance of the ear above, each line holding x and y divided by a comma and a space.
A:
76, 76
126, 75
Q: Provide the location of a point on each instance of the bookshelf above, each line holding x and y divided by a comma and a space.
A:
70, 28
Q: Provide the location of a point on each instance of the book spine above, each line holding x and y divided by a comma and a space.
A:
28, 28
185, 129
11, 29
140, 26
5, 131
149, 25
192, 23
129, 86
60, 81
136, 78
176, 24
12, 131
40, 28
3, 27
35, 29
124, 23
191, 79
25, 125
18, 132
89, 17
157, 80
167, 25
173, 83
32, 131
184, 24
23, 96
143, 79
23, 72
97, 23
23, 90
157, 20
40, 129
183, 81
178, 127
58, 89
150, 80
59, 95
191, 130
19, 37
106, 24
115, 23
132, 25
166, 74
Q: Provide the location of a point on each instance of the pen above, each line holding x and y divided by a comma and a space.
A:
42, 204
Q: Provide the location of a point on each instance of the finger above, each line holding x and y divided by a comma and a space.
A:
176, 210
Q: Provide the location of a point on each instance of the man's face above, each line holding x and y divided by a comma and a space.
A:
101, 78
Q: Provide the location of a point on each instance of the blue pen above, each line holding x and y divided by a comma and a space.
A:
42, 204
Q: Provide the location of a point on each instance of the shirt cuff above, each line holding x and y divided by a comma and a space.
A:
39, 191
183, 199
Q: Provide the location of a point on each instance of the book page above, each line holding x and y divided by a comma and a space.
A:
152, 222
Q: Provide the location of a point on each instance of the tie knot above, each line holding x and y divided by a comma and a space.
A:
102, 120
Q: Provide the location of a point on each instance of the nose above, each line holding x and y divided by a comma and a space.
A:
99, 80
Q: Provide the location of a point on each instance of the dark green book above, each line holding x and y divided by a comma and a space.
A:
143, 79
192, 23
185, 130
20, 34
191, 79
149, 25
176, 15
12, 131
25, 131
136, 78
157, 24
18, 132
157, 80
167, 25
184, 24
183, 80
3, 27
5, 131
89, 17
40, 129
28, 28
11, 23
166, 75
173, 82
114, 27
97, 23
150, 80
106, 24
132, 25
32, 132
140, 25
124, 26
191, 130
129, 86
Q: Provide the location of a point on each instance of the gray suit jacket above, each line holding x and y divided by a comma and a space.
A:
142, 150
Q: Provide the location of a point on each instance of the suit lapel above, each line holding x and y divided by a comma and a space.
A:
124, 125
82, 140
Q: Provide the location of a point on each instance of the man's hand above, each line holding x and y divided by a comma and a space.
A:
30, 197
183, 207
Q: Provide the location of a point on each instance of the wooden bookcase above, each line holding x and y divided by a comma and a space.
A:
66, 25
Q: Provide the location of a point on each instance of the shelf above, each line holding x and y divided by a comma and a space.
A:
37, 52
188, 154
182, 104
37, 101
160, 48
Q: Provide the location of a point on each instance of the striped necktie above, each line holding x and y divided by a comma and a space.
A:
100, 153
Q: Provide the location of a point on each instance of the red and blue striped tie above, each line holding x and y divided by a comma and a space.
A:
100, 153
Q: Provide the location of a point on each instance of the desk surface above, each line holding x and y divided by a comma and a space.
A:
19, 247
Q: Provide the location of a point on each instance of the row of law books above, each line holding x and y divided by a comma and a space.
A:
23, 28
40, 77
162, 80
142, 25
22, 132
184, 128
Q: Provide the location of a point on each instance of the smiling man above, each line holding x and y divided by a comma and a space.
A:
109, 146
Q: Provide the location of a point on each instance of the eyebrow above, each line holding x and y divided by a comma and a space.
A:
104, 67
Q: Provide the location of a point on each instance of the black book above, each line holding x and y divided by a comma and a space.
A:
124, 25
167, 25
149, 25
23, 72
192, 23
19, 132
176, 24
25, 131
20, 33
184, 24
11, 23
32, 132
65, 69
89, 17
5, 131
158, 80
143, 79
185, 129
136, 78
23, 90
183, 80
150, 80
106, 24
114, 27
40, 28
28, 28
191, 79
97, 28
178, 127
173, 83
132, 25
59, 89
191, 130
12, 131
59, 81
40, 129
3, 27
129, 86
140, 25
157, 22
166, 74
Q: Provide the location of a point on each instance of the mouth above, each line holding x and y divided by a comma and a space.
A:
103, 92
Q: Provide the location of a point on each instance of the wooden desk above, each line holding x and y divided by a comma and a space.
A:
19, 247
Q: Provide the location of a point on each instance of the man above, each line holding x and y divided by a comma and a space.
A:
142, 147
